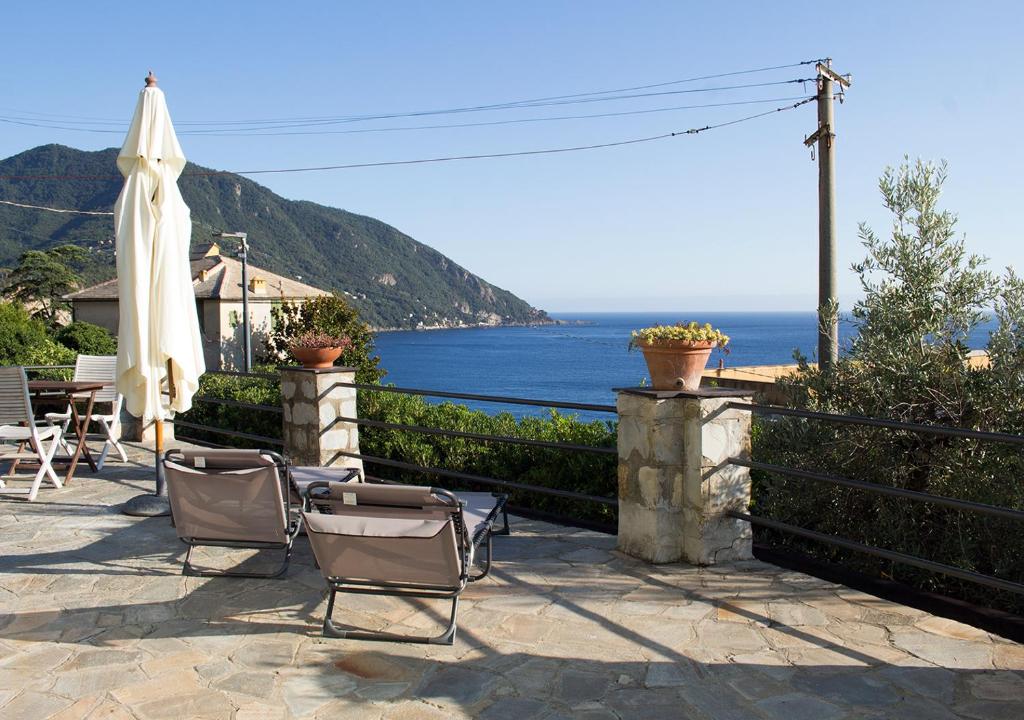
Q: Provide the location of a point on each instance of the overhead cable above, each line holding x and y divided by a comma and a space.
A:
423, 161
18, 115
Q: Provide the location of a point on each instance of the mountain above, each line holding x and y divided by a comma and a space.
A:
394, 281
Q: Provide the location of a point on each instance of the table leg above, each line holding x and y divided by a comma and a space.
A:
81, 430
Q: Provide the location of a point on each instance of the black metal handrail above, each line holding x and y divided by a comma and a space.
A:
467, 477
503, 400
227, 433
482, 479
892, 555
880, 422
572, 447
955, 503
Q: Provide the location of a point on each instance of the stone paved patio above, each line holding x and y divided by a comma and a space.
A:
97, 622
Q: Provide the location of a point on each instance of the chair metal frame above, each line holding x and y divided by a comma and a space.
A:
292, 530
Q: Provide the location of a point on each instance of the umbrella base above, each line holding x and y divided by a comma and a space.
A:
147, 506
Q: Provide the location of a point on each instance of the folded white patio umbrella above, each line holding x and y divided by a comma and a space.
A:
158, 333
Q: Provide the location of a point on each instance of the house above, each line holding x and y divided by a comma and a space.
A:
217, 280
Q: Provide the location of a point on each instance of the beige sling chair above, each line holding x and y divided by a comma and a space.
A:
397, 540
230, 498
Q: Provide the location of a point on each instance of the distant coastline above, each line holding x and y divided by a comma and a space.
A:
473, 326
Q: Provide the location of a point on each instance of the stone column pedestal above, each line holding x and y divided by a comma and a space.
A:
674, 483
311, 404
134, 430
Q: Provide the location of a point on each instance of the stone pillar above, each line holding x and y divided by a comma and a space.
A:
134, 430
311, 405
674, 484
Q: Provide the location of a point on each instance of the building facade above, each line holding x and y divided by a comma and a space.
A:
218, 287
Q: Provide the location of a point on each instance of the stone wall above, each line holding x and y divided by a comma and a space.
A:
674, 482
311, 403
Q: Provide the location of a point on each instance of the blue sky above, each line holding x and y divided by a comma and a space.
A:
724, 220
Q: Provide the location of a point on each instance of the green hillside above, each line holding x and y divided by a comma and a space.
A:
393, 280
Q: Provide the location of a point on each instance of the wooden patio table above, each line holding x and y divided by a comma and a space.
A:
72, 392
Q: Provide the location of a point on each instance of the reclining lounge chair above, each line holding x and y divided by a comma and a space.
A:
231, 498
397, 540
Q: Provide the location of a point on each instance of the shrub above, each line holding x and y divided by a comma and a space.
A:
330, 315
86, 338
253, 390
588, 473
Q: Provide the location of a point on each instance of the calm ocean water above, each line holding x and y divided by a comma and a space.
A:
579, 362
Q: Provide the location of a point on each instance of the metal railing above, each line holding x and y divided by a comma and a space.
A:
483, 437
914, 495
201, 430
263, 440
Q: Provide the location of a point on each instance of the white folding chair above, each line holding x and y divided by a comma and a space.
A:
97, 368
18, 425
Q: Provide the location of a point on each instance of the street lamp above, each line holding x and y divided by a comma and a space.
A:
243, 250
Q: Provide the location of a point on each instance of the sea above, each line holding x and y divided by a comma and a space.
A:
582, 359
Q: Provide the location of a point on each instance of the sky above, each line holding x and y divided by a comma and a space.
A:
722, 220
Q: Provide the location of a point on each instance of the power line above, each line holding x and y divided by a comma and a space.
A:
517, 106
63, 117
423, 161
549, 151
261, 125
261, 131
257, 132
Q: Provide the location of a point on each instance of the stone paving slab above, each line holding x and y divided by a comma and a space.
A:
96, 621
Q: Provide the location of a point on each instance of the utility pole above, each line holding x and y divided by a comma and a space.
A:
243, 255
824, 136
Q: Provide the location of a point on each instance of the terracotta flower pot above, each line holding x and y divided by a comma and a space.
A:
677, 364
316, 357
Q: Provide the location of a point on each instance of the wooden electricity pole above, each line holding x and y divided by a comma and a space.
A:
824, 136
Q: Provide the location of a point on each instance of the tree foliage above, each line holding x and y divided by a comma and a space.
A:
332, 315
24, 340
43, 277
83, 337
923, 294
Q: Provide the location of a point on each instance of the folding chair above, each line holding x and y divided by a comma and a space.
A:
397, 540
17, 424
230, 498
96, 368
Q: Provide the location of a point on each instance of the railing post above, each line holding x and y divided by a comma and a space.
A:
311, 403
674, 482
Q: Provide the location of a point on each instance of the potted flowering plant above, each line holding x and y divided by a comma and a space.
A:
315, 349
677, 354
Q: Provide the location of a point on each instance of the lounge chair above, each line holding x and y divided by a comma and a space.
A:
397, 540
231, 498
18, 424
97, 367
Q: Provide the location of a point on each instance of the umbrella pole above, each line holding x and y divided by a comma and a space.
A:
154, 505
161, 485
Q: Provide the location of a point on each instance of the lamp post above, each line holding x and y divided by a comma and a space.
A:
243, 255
